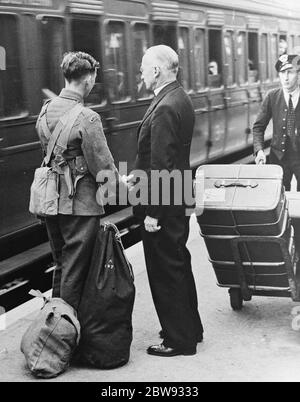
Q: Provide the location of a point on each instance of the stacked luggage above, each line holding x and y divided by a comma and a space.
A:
244, 220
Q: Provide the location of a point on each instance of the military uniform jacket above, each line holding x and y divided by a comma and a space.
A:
274, 107
87, 139
164, 143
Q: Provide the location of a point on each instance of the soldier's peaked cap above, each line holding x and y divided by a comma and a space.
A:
287, 61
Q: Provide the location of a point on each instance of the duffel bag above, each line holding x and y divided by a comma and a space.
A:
105, 310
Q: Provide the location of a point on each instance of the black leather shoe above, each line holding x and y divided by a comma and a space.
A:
199, 337
164, 351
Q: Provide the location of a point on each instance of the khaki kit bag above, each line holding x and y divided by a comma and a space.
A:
51, 339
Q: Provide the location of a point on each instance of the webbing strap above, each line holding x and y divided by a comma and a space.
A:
63, 129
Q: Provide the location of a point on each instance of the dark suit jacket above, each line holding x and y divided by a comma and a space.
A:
164, 142
274, 107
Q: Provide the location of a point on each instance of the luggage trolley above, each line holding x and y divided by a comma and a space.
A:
247, 222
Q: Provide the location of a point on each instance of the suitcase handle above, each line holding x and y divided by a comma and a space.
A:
244, 184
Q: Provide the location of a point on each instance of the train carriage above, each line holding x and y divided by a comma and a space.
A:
227, 53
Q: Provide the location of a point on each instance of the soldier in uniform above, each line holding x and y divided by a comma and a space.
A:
283, 106
72, 232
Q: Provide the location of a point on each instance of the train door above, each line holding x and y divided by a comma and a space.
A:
236, 95
201, 140
216, 76
18, 146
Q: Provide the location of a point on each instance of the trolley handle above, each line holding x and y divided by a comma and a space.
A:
235, 183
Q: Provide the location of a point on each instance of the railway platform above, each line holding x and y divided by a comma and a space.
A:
254, 345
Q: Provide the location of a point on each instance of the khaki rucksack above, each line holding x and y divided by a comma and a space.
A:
51, 339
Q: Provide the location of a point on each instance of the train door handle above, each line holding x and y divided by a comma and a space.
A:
111, 119
202, 110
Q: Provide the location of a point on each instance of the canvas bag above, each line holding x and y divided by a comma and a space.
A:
105, 310
50, 341
44, 191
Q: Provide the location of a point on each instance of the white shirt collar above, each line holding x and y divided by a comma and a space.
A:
158, 90
295, 97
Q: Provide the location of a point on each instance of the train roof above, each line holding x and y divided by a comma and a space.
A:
278, 8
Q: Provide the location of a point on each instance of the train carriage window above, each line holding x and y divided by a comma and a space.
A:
116, 62
214, 68
184, 58
199, 54
229, 58
86, 38
283, 45
291, 44
11, 93
264, 65
297, 45
241, 53
253, 57
274, 55
165, 34
52, 47
141, 44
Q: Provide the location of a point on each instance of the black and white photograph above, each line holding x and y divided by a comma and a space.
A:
149, 194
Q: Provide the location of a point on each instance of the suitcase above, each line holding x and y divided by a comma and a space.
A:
242, 211
260, 274
293, 201
240, 200
220, 247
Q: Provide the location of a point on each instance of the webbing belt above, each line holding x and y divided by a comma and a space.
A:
60, 137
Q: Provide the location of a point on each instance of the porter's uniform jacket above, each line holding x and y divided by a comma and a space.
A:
274, 107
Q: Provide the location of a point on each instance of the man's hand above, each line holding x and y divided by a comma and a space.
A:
151, 225
261, 158
128, 181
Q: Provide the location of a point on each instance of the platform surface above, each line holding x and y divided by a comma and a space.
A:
256, 344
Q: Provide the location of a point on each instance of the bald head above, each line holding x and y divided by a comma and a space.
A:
164, 57
159, 66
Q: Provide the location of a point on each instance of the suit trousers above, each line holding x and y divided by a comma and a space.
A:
290, 164
72, 240
172, 283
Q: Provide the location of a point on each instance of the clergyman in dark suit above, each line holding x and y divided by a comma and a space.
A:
283, 107
164, 141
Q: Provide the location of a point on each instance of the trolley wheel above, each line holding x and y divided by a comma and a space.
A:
236, 299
